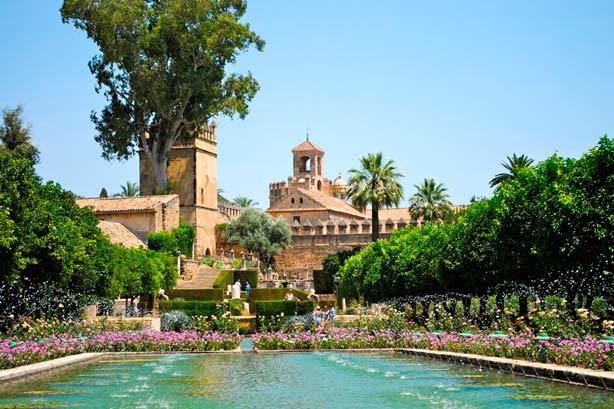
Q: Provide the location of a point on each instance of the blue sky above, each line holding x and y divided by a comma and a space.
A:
446, 89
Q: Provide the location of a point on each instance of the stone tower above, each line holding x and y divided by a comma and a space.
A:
308, 163
192, 167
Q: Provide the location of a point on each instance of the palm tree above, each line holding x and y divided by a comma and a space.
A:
430, 202
220, 196
513, 165
376, 183
245, 202
130, 189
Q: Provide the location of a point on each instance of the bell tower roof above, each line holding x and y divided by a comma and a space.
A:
307, 146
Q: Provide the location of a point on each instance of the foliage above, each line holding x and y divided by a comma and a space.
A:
190, 307
245, 202
162, 68
201, 294
323, 280
377, 184
13, 354
181, 239
224, 279
130, 189
513, 166
174, 320
546, 231
236, 306
29, 328
15, 136
430, 202
244, 276
257, 232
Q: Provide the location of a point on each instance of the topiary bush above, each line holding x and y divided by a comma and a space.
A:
177, 321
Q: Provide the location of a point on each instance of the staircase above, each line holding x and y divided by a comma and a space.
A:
203, 277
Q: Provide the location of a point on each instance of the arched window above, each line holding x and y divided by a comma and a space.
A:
319, 185
305, 164
207, 252
292, 200
301, 200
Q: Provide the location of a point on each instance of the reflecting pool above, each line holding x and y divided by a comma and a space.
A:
292, 380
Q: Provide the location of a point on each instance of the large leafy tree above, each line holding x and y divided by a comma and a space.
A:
245, 202
512, 166
375, 183
162, 68
430, 202
260, 234
15, 136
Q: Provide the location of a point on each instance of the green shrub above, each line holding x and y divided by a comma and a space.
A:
323, 282
180, 239
206, 308
177, 321
207, 261
236, 306
204, 294
236, 263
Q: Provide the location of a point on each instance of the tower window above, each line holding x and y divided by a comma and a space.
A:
301, 200
292, 200
297, 219
305, 164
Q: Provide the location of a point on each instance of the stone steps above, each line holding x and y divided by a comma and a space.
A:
204, 278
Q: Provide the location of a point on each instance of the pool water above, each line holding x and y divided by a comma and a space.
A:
292, 380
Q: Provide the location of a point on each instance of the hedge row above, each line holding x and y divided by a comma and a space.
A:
191, 308
204, 294
270, 294
288, 308
229, 277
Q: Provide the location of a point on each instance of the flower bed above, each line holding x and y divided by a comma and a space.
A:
17, 353
581, 352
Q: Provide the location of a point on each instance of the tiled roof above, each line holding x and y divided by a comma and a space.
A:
323, 201
119, 234
307, 146
125, 204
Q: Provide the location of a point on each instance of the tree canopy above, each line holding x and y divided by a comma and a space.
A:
15, 136
163, 70
548, 230
375, 183
257, 232
430, 202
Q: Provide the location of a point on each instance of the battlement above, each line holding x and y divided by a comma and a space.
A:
208, 132
345, 232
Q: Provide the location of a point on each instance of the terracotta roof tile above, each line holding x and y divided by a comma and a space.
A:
307, 146
125, 204
119, 234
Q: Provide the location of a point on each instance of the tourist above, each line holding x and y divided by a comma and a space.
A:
331, 314
135, 306
317, 315
289, 295
325, 315
162, 295
248, 289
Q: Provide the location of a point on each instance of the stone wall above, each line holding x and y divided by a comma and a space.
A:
310, 244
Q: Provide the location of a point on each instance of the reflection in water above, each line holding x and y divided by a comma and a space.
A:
302, 380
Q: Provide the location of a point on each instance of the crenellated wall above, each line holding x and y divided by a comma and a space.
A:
312, 242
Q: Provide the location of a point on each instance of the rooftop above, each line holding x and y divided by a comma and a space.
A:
119, 234
307, 146
125, 204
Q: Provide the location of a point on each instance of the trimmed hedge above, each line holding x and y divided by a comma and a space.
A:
270, 294
204, 294
224, 279
229, 277
191, 308
288, 308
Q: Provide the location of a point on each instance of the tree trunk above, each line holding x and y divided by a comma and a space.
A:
374, 222
466, 306
160, 164
523, 302
482, 318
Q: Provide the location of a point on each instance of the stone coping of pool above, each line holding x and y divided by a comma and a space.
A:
560, 373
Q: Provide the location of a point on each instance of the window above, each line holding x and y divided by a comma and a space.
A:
297, 219
319, 185
301, 200
305, 164
292, 200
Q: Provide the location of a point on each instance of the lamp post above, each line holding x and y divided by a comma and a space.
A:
337, 280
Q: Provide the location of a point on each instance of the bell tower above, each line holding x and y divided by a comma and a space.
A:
308, 164
192, 171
